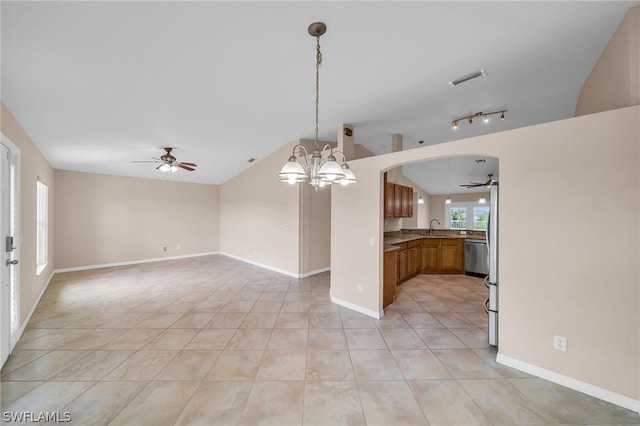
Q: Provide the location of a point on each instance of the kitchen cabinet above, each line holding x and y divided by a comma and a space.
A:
389, 199
430, 254
408, 260
452, 255
413, 257
406, 202
390, 279
403, 263
398, 200
442, 256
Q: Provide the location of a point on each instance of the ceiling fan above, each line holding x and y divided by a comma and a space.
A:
169, 163
477, 184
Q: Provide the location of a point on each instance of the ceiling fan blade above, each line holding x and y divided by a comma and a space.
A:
473, 185
182, 166
189, 164
144, 161
159, 165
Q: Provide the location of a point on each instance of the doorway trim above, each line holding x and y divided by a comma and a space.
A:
15, 229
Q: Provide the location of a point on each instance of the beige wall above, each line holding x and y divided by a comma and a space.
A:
260, 216
103, 219
315, 229
560, 271
32, 166
614, 81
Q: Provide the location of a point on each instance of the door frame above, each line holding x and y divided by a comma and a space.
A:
13, 316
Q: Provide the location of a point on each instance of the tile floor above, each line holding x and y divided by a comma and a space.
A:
211, 340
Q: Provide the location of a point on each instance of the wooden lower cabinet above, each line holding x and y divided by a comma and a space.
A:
409, 260
403, 263
430, 254
442, 256
452, 255
390, 277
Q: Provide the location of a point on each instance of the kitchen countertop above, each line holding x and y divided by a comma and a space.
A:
399, 239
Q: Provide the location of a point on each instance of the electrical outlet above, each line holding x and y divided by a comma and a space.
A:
359, 287
560, 343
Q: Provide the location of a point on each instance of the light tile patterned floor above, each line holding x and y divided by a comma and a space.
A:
212, 340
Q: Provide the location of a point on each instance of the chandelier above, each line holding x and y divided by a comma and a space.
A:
321, 166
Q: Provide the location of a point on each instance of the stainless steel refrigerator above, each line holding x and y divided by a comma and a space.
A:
492, 279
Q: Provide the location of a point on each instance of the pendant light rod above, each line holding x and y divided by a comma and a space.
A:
316, 30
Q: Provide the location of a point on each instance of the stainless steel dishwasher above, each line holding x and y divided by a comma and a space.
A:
476, 258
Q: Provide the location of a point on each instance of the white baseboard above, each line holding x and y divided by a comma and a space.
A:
132, 262
357, 308
586, 388
24, 324
315, 271
280, 271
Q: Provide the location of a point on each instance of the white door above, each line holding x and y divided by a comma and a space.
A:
9, 286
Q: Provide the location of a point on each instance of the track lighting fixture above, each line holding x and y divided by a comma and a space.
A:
483, 115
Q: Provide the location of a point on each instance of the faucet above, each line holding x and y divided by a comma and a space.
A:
431, 226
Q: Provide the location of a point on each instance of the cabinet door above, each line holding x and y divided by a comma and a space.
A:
430, 256
403, 266
407, 200
413, 261
390, 277
452, 255
397, 200
389, 204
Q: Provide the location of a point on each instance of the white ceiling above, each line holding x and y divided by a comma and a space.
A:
98, 84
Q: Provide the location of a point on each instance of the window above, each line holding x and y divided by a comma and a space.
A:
458, 217
42, 233
480, 217
468, 215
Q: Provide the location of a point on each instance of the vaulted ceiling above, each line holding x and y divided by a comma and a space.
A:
99, 84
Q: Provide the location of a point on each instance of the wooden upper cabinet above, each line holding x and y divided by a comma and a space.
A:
389, 203
407, 201
397, 200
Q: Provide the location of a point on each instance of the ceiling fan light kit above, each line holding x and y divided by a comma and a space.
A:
169, 163
322, 166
